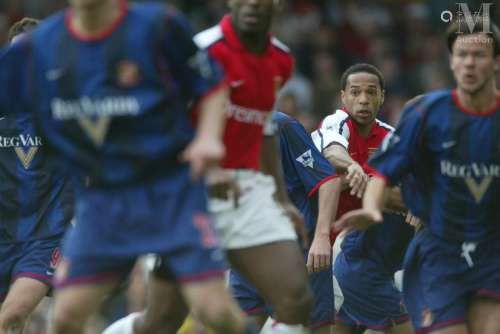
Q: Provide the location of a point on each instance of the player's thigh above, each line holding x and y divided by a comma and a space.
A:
23, 297
78, 302
404, 328
484, 316
266, 265
328, 329
341, 328
165, 301
208, 297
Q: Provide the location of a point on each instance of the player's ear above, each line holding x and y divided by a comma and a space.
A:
382, 97
497, 63
343, 97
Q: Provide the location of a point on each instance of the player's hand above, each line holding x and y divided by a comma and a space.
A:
359, 219
319, 254
203, 154
357, 179
297, 220
413, 221
222, 184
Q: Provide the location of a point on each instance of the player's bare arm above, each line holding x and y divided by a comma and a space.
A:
207, 148
371, 213
319, 257
342, 161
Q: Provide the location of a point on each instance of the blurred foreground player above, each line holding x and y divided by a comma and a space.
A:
111, 94
255, 229
449, 142
36, 207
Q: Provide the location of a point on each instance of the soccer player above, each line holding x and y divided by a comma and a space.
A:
449, 142
365, 267
110, 86
255, 229
36, 206
314, 188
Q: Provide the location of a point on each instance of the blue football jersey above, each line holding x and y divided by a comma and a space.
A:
114, 105
453, 156
304, 168
36, 196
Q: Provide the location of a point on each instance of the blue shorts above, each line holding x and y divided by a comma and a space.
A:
441, 277
321, 284
370, 298
35, 259
165, 216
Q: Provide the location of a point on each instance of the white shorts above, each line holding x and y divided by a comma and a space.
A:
257, 220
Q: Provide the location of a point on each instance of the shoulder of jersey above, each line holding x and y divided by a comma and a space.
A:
384, 125
337, 116
209, 37
50, 25
280, 45
432, 100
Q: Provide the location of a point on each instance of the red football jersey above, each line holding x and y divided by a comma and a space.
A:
340, 128
254, 80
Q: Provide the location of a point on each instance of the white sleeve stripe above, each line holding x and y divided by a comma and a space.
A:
208, 37
280, 45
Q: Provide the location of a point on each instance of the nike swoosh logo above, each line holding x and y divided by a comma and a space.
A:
2, 118
49, 273
54, 74
448, 144
237, 83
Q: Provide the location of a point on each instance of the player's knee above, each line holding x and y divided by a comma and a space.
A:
217, 313
167, 320
11, 322
295, 305
68, 319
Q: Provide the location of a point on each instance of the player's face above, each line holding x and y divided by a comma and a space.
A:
363, 97
253, 16
472, 62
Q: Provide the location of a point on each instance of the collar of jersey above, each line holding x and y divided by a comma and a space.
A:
101, 35
467, 111
232, 37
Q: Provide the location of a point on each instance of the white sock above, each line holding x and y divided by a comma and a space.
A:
123, 326
273, 327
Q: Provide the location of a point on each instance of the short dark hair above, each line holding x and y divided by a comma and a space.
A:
460, 28
24, 25
362, 68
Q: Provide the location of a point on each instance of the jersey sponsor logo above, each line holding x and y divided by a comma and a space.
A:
94, 115
127, 74
470, 173
306, 159
25, 146
236, 83
247, 115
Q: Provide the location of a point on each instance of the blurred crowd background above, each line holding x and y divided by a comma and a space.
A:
403, 38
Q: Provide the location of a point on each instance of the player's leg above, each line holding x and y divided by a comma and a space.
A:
23, 297
403, 328
210, 302
484, 316
74, 305
248, 298
280, 261
341, 328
